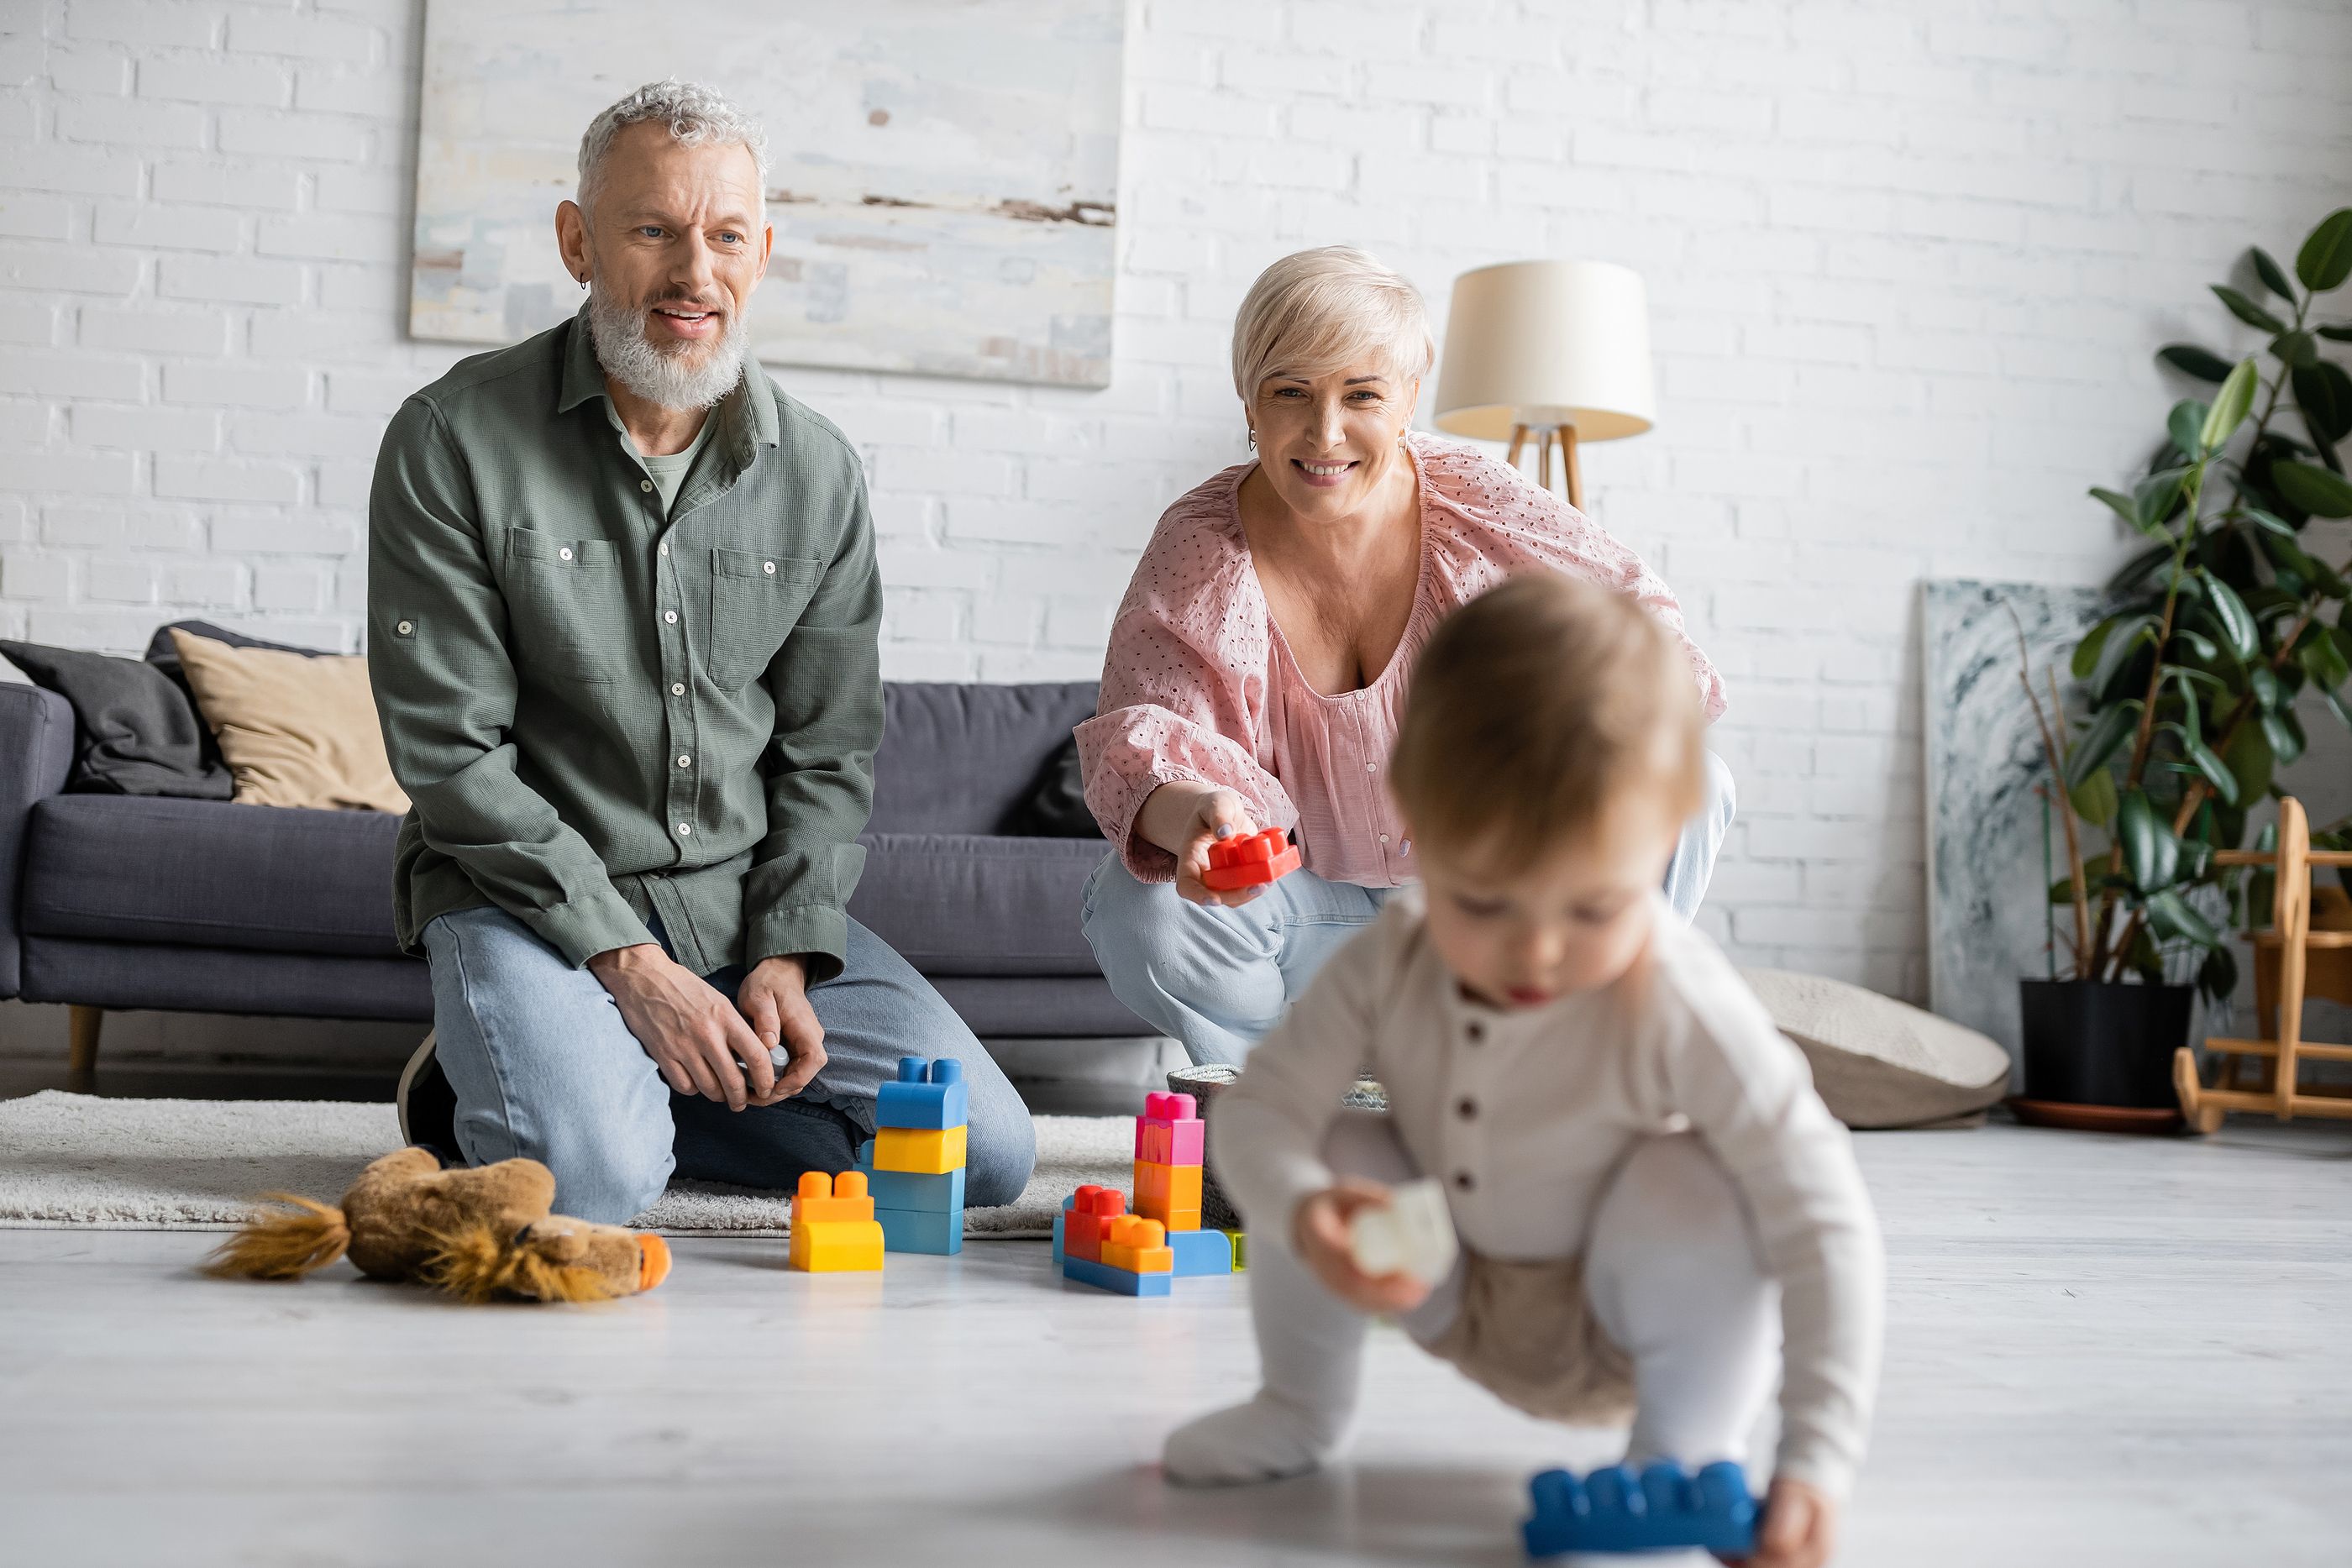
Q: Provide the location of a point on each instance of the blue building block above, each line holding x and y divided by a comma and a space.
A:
1067, 1204
912, 1190
1614, 1509
1104, 1278
926, 1096
914, 1230
1200, 1252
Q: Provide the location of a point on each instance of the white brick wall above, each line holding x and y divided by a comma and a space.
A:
1906, 266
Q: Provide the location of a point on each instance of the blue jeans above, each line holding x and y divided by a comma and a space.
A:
544, 1068
1217, 980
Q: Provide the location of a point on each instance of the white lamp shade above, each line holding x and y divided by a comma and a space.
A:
1548, 343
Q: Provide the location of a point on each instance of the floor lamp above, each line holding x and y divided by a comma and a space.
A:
1556, 353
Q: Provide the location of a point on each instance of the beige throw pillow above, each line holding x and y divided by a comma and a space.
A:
1879, 1063
294, 729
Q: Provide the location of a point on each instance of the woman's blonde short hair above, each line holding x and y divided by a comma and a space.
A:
1537, 705
1322, 310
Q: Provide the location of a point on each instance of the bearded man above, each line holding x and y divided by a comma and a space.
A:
622, 618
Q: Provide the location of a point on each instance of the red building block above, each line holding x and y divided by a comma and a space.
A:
1247, 862
1090, 1219
1168, 1131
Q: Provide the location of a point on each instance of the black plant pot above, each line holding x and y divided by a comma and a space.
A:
2089, 1042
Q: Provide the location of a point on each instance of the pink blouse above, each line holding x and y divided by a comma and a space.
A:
1198, 683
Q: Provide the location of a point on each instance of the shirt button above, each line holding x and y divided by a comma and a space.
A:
677, 688
1371, 767
563, 554
768, 567
646, 485
671, 616
405, 627
685, 829
664, 547
1464, 1181
1476, 1030
1467, 1110
684, 761
1384, 838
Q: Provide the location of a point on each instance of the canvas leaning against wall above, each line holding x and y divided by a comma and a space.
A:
943, 177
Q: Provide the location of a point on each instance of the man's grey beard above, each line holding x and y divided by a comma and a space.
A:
660, 376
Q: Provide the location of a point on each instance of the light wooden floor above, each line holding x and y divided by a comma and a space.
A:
2102, 1351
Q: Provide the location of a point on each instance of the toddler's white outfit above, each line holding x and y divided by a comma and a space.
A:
1651, 1199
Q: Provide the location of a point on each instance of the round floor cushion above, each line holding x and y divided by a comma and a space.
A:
1879, 1063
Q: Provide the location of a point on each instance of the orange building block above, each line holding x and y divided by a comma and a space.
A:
1169, 1193
1138, 1245
833, 1227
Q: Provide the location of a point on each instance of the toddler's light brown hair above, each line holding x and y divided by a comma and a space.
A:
1533, 708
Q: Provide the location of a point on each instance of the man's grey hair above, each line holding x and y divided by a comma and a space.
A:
694, 113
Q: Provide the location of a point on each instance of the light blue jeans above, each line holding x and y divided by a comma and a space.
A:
1217, 980
544, 1068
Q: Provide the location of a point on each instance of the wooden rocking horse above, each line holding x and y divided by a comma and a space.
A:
2305, 954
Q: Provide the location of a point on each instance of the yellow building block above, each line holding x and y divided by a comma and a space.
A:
836, 1247
1169, 1193
1138, 1245
923, 1151
1240, 1249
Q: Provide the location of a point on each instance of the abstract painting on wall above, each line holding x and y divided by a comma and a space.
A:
942, 179
1986, 885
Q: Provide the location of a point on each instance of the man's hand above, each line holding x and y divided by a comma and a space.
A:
694, 1034
1800, 1528
1319, 1231
774, 998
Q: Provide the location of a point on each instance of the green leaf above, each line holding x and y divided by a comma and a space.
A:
2109, 730
2295, 348
2184, 423
2119, 503
2198, 644
2322, 662
2218, 975
2157, 496
2216, 774
2273, 275
2284, 735
2325, 259
2236, 621
2337, 332
2246, 310
2174, 919
2123, 645
2248, 757
2323, 392
2095, 799
2311, 489
2265, 687
2151, 854
2269, 522
2231, 407
2190, 360
2133, 574
2335, 705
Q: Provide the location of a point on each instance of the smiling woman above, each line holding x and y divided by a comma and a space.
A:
1258, 664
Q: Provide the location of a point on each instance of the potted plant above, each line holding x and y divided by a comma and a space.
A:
2186, 695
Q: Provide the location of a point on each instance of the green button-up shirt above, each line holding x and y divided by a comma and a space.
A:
603, 712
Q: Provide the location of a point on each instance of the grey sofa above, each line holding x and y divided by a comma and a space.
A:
122, 902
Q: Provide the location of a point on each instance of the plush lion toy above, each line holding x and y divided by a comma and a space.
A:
477, 1234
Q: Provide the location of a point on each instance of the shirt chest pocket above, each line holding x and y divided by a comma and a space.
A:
568, 607
755, 601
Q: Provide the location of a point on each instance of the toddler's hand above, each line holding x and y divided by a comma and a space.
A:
1800, 1528
1319, 1231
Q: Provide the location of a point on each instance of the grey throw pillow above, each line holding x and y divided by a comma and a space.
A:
135, 732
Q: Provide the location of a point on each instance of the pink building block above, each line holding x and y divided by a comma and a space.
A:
1167, 1133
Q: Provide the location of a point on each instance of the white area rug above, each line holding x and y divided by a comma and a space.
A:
70, 1161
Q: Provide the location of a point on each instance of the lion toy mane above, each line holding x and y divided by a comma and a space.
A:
478, 1234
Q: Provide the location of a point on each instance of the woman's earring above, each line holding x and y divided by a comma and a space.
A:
1253, 440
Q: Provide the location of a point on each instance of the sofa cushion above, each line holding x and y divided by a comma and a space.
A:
968, 904
135, 732
270, 878
965, 759
295, 729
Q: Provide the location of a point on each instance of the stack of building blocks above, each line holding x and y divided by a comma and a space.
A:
834, 1229
1096, 1242
915, 1162
1663, 1507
